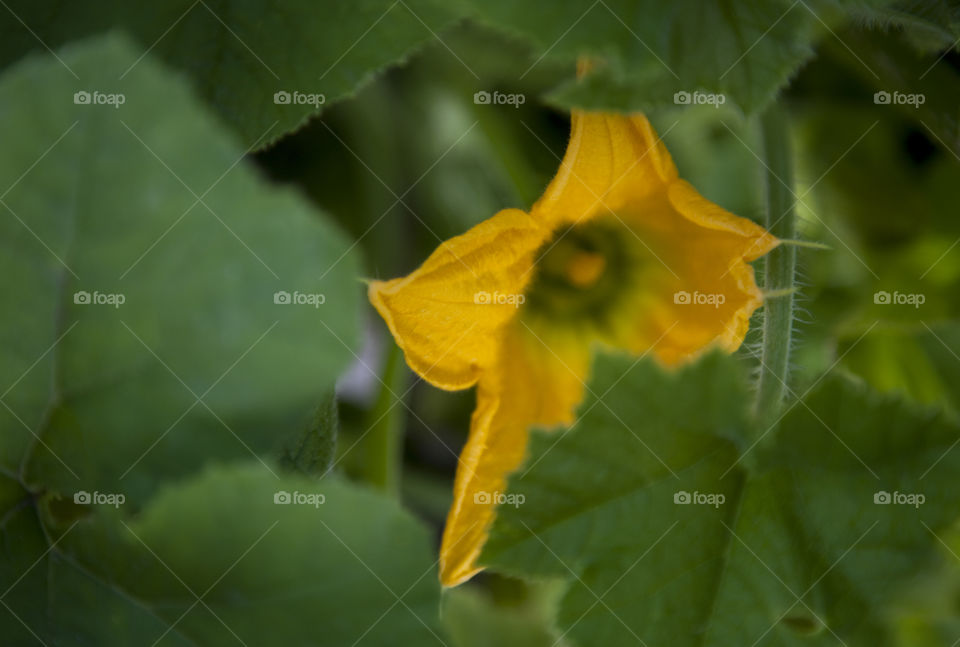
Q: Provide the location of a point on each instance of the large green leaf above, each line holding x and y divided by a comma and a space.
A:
152, 201
788, 546
239, 54
646, 51
216, 561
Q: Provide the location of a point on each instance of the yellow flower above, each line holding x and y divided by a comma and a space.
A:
618, 251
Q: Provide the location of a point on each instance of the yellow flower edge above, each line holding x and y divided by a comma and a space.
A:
484, 309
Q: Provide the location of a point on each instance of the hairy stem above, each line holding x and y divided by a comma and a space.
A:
780, 265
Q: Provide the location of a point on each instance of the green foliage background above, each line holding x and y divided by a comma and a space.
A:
202, 401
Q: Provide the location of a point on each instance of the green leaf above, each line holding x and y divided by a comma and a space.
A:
153, 204
239, 54
787, 545
647, 51
347, 568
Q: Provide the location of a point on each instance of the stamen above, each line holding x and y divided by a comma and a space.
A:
584, 268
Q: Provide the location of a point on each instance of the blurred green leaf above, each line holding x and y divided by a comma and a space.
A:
153, 204
239, 54
217, 561
796, 552
647, 51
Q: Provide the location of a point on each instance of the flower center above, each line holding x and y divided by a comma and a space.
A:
583, 272
584, 268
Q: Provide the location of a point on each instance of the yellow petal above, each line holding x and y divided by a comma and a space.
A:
703, 292
750, 242
610, 158
530, 386
715, 263
447, 313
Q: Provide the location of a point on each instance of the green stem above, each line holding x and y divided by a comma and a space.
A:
384, 440
780, 265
